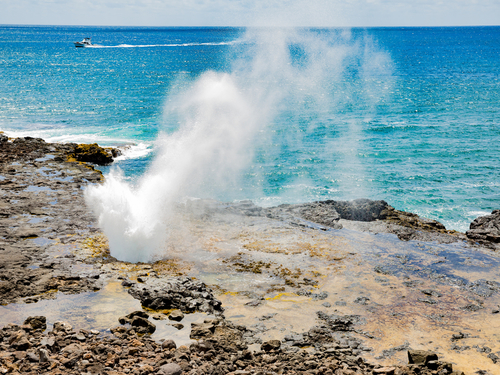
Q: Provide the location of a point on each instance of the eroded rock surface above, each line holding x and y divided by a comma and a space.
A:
42, 216
486, 230
184, 294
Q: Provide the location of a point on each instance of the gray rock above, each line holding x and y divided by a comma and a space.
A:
170, 369
44, 355
486, 228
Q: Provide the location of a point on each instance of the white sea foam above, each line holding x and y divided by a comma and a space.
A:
222, 117
130, 149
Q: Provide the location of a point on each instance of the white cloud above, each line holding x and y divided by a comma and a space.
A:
248, 12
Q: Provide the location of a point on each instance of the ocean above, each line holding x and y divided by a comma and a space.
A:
408, 115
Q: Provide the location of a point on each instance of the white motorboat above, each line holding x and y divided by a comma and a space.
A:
84, 43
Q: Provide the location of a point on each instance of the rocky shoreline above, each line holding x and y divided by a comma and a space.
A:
43, 219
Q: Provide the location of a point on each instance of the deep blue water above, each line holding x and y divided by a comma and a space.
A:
409, 115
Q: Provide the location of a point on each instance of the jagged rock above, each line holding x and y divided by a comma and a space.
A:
485, 228
202, 329
43, 355
138, 320
271, 345
183, 293
62, 327
20, 342
92, 153
37, 322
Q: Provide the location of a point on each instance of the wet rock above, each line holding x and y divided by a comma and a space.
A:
37, 322
421, 357
138, 320
184, 294
62, 327
92, 153
485, 228
176, 315
199, 330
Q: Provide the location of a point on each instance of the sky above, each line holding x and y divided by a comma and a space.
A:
328, 13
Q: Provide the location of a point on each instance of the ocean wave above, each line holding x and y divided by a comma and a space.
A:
130, 149
134, 151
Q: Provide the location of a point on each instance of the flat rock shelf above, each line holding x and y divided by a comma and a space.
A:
325, 287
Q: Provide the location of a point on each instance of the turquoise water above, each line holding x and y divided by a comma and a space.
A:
409, 115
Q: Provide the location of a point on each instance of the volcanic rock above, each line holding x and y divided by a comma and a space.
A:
485, 228
37, 322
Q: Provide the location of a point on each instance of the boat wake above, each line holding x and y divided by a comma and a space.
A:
164, 45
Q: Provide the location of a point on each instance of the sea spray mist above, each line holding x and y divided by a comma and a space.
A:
278, 76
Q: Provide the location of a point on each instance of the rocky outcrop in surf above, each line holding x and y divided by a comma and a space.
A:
486, 230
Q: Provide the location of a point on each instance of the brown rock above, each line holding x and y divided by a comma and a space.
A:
176, 315
168, 344
421, 357
271, 345
20, 342
36, 322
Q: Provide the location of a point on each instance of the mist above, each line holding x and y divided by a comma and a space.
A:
276, 76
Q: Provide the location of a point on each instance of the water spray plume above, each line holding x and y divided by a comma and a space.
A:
220, 116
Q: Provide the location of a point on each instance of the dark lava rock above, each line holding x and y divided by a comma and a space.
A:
485, 228
37, 322
138, 320
182, 293
93, 154
223, 351
271, 345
